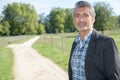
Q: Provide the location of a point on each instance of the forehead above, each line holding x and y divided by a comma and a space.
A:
82, 10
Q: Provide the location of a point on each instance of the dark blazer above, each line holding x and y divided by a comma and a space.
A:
102, 59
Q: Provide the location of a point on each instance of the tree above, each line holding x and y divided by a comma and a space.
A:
118, 22
40, 29
57, 20
4, 28
68, 26
0, 18
47, 24
22, 18
1, 29
103, 16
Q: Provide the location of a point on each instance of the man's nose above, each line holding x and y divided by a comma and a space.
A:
81, 19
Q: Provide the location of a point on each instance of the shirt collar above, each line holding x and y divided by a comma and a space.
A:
77, 39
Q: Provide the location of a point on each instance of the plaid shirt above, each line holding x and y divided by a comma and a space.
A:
78, 57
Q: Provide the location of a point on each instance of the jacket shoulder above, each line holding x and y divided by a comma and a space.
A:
101, 37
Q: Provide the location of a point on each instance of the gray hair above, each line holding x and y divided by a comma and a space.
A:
81, 4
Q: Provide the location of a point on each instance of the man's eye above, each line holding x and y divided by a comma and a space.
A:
76, 15
86, 15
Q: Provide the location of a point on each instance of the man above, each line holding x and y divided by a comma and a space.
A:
93, 55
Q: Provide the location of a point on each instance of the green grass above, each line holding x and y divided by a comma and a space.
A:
62, 42
6, 63
53, 53
115, 34
118, 45
51, 47
117, 40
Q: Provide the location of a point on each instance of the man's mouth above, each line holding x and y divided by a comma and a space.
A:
81, 24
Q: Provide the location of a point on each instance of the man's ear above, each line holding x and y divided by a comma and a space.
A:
93, 20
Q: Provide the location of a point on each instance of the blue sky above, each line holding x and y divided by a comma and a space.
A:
45, 6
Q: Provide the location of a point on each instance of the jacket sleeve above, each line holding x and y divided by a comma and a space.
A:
69, 64
111, 60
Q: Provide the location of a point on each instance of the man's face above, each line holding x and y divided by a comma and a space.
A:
82, 19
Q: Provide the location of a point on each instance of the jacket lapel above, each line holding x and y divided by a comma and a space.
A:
91, 46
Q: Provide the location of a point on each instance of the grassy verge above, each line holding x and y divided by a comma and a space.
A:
6, 63
53, 53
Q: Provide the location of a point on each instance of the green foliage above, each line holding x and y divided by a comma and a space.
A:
1, 29
57, 20
4, 28
103, 16
40, 29
47, 24
68, 26
118, 22
21, 17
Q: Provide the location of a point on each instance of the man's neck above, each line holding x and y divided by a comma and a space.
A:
84, 33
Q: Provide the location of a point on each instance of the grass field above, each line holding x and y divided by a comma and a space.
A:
117, 40
6, 55
57, 47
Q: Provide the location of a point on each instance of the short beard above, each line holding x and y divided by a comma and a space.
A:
84, 29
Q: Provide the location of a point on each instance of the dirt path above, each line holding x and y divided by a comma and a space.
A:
29, 65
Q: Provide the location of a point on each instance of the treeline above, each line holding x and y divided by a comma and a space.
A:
22, 19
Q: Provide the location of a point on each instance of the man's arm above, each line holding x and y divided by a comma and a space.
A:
111, 60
